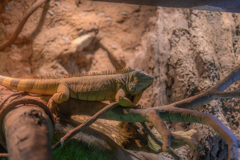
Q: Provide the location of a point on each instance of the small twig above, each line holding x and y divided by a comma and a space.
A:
81, 127
4, 155
221, 95
22, 23
159, 142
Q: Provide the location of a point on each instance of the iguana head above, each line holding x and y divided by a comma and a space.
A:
139, 81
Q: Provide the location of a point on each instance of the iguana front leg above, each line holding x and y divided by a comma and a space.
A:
122, 100
60, 96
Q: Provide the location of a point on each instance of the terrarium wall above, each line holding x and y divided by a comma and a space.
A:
189, 51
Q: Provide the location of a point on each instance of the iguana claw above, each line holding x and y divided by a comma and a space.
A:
53, 106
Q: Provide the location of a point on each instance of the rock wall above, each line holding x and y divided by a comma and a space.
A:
189, 51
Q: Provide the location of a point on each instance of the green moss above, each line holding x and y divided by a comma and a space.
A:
75, 149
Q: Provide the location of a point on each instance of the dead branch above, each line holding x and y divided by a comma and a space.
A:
20, 26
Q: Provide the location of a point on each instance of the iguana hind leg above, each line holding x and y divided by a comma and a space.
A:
60, 96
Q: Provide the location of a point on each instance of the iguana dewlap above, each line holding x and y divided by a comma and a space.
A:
124, 87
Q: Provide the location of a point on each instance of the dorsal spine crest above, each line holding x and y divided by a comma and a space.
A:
56, 75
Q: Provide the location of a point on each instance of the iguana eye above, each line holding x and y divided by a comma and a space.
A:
142, 75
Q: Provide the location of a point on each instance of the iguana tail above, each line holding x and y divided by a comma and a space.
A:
36, 86
9, 82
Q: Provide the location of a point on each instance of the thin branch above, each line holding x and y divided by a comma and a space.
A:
22, 23
4, 155
233, 94
81, 127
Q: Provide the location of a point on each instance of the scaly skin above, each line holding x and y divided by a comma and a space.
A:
124, 87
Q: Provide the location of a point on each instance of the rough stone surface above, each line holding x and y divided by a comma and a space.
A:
188, 52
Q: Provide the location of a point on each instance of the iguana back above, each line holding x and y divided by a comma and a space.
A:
119, 86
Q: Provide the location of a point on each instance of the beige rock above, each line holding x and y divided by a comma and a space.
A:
83, 41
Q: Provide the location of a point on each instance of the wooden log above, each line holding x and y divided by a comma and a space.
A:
28, 133
94, 145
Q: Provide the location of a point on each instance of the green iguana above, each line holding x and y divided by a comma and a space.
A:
125, 87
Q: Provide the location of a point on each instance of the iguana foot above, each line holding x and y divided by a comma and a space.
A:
53, 106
